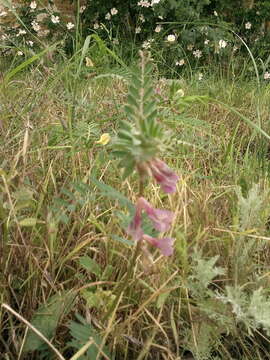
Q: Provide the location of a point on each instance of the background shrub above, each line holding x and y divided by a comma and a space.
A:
179, 33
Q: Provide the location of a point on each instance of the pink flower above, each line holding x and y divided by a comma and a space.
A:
135, 227
161, 219
163, 175
165, 245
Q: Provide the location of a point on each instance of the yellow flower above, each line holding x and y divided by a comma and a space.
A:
104, 139
180, 93
89, 62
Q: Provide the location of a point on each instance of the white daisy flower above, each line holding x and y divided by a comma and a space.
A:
55, 19
222, 44
114, 11
35, 25
147, 44
21, 32
144, 3
33, 5
171, 38
180, 62
197, 53
70, 25
82, 8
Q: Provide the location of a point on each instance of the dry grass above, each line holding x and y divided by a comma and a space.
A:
52, 215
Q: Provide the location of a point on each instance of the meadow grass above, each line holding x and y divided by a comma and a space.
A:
64, 209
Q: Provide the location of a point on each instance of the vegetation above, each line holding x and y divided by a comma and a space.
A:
134, 204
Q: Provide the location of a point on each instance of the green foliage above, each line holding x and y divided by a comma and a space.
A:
71, 198
204, 30
141, 139
110, 192
80, 136
90, 265
221, 311
81, 333
99, 299
250, 208
204, 271
46, 319
198, 26
250, 309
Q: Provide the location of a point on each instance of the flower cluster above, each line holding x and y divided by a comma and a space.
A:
161, 219
39, 21
147, 4
163, 175
204, 42
112, 12
197, 53
222, 44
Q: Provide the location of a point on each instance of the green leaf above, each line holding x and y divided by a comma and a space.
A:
81, 332
92, 299
125, 134
84, 51
128, 169
130, 111
132, 101
103, 47
46, 318
28, 222
148, 108
90, 265
161, 299
110, 192
122, 240
27, 62
134, 92
148, 94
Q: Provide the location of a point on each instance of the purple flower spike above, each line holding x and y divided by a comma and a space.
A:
161, 219
165, 245
163, 175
